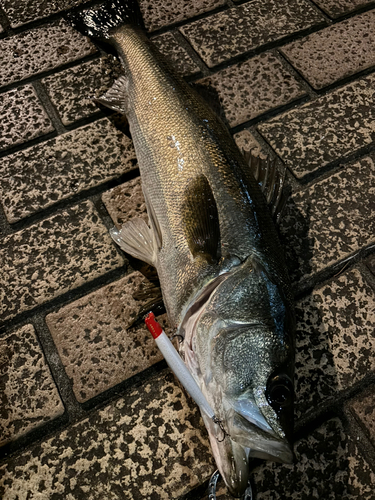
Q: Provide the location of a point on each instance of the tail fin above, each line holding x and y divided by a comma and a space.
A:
98, 22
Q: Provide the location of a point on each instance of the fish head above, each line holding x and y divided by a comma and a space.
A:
242, 355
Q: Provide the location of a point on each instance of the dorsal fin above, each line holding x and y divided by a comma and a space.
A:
201, 220
271, 182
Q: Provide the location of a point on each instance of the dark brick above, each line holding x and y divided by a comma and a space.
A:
249, 89
221, 36
327, 129
41, 49
52, 257
335, 52
22, 117
28, 395
62, 167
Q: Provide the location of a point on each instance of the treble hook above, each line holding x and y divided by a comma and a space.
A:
248, 495
221, 425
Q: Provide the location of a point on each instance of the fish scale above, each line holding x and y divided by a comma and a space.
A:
157, 124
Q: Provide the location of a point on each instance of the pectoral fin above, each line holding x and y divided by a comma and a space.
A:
201, 220
136, 239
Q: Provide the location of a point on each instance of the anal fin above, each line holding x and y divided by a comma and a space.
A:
137, 239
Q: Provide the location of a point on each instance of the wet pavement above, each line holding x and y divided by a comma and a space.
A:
88, 408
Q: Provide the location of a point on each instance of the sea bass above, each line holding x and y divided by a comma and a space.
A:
213, 242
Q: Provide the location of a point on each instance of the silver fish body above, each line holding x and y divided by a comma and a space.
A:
218, 257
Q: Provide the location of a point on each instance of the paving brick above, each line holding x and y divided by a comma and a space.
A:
371, 264
24, 11
41, 49
331, 220
38, 177
159, 13
125, 202
71, 91
169, 46
249, 89
247, 142
52, 257
328, 465
22, 117
227, 34
151, 443
28, 396
335, 52
335, 339
327, 129
95, 343
337, 8
363, 407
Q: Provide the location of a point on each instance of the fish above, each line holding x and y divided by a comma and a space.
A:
213, 240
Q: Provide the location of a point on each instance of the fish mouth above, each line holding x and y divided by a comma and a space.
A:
233, 453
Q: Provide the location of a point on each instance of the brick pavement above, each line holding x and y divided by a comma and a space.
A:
88, 408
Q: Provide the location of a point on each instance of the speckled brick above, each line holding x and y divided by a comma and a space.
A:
126, 201
24, 11
52, 257
328, 465
72, 91
151, 443
177, 55
335, 339
96, 344
363, 407
335, 52
370, 262
327, 129
331, 220
159, 13
337, 8
40, 176
221, 36
248, 89
28, 396
247, 142
22, 117
41, 49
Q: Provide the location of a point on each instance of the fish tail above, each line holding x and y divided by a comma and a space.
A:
98, 23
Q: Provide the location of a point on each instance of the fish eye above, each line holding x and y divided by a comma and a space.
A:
280, 391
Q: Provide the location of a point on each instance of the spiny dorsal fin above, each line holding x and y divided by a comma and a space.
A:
271, 182
136, 239
116, 97
201, 220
